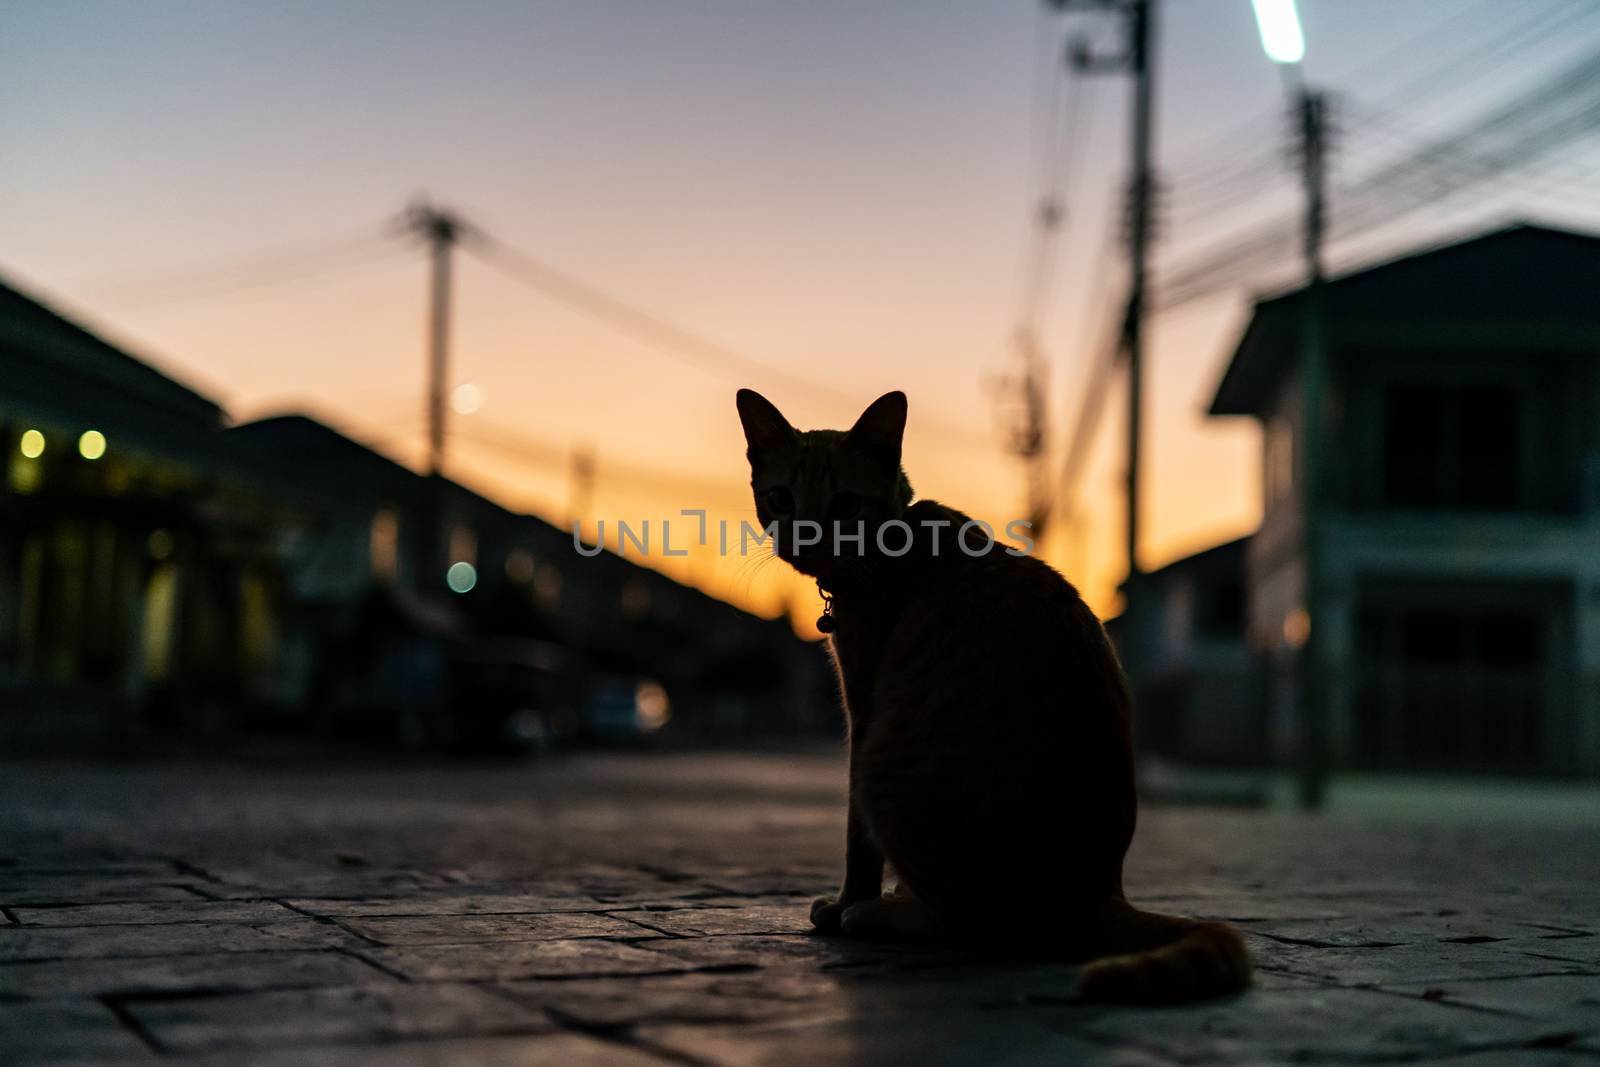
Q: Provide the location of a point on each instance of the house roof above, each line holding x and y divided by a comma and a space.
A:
1523, 276
312, 453
1217, 554
307, 456
60, 373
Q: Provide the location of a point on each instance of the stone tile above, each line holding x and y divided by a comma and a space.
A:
228, 971
1475, 915
749, 919
682, 998
66, 1032
20, 943
465, 929
1574, 998
298, 881
18, 889
465, 904
504, 961
1511, 1057
1426, 962
155, 912
994, 1039
540, 1050
1452, 928
1290, 1025
285, 1018
1241, 907
808, 950
772, 882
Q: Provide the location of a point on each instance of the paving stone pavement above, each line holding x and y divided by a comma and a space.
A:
651, 909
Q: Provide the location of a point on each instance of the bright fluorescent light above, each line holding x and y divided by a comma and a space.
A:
1281, 36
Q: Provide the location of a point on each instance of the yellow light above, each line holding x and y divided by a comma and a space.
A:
32, 444
92, 445
652, 709
1297, 628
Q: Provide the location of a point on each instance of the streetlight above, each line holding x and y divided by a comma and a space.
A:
1281, 36
1285, 44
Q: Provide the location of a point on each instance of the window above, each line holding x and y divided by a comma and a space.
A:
1451, 447
384, 545
1279, 473
1455, 678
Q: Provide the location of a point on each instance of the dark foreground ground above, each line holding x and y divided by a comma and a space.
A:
649, 910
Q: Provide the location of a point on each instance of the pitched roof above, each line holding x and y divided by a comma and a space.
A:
1523, 275
46, 351
309, 451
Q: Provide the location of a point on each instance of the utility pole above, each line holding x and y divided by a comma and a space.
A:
581, 492
1029, 426
1310, 115
1135, 60
1140, 195
1283, 39
441, 230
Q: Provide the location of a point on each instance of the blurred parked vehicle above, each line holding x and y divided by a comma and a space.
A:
625, 709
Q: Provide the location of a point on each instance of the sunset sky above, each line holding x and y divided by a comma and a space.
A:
840, 191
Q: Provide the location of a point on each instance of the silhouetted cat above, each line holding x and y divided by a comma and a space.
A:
990, 760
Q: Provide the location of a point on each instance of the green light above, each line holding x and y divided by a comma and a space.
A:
461, 577
92, 445
32, 444
1281, 35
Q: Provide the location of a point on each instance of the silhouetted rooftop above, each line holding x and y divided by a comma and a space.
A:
314, 452
1518, 282
60, 372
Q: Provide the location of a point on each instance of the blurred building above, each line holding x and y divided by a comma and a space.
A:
1460, 539
162, 575
1198, 698
108, 540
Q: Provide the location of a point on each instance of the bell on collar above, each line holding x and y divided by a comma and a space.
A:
826, 622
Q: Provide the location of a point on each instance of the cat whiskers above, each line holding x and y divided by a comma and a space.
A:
753, 567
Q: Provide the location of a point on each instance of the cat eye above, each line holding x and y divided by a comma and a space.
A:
844, 506
780, 501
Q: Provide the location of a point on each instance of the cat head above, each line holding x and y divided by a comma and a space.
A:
845, 479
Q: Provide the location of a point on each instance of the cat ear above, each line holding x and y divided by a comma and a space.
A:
764, 425
879, 429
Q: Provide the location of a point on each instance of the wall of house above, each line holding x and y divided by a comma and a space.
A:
1275, 570
1546, 535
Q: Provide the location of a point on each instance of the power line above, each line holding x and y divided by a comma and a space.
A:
1238, 176
672, 340
1522, 37
269, 268
1556, 112
1091, 407
1214, 178
552, 456
675, 341
1224, 151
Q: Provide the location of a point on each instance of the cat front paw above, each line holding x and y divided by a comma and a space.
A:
826, 913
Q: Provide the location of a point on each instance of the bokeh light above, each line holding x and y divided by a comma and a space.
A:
461, 577
467, 398
92, 445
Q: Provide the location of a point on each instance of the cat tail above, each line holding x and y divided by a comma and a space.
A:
1151, 958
